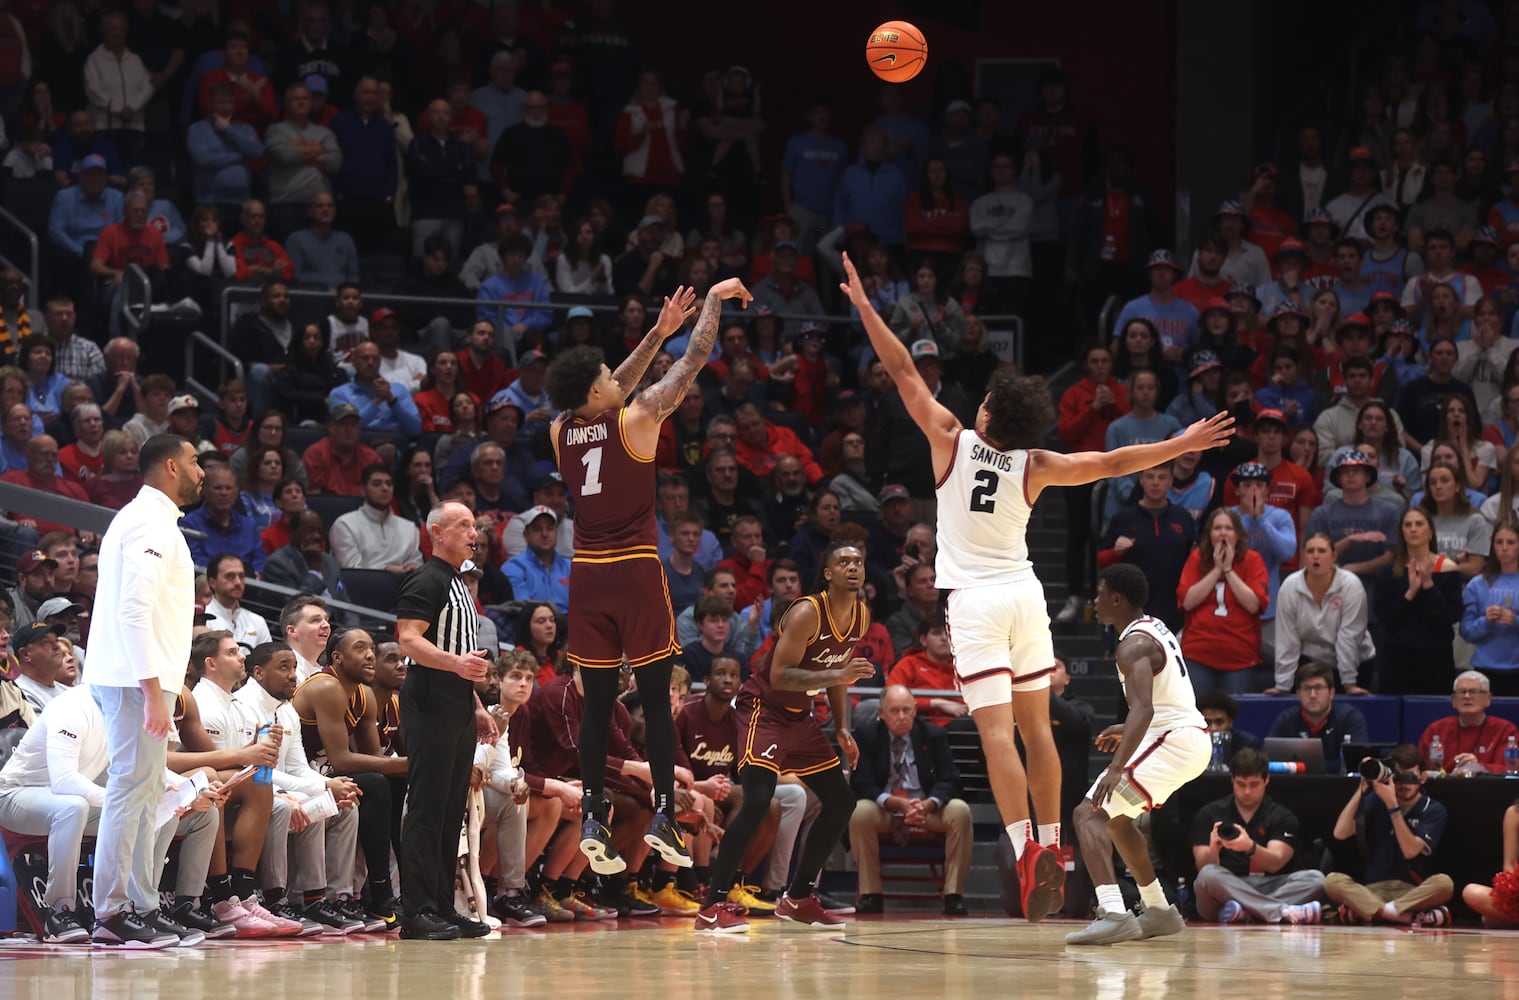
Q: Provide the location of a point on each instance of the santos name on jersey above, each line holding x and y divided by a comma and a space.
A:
1171, 694
983, 516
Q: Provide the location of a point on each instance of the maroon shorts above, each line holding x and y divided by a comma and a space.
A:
620, 610
781, 740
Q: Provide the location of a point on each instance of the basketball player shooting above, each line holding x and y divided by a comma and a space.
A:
1161, 745
988, 480
619, 598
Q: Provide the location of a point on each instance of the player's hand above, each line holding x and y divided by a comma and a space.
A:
261, 754
678, 308
298, 818
853, 287
683, 777
1107, 741
471, 666
478, 776
1213, 432
519, 790
858, 669
1103, 790
485, 727
732, 288
155, 718
850, 748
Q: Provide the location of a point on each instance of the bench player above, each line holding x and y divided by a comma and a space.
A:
1162, 745
988, 479
619, 599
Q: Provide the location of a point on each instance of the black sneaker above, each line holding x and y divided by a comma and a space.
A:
60, 926
512, 910
834, 905
187, 914
354, 910
627, 905
667, 840
596, 844
468, 926
126, 929
285, 911
383, 912
333, 920
428, 927
161, 921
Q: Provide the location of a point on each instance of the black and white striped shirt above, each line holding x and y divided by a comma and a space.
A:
436, 594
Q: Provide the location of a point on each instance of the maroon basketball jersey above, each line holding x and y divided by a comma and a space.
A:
613, 487
831, 646
712, 747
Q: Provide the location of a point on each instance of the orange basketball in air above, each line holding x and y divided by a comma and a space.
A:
896, 51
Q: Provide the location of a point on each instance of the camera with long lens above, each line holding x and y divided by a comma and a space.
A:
1373, 769
1228, 831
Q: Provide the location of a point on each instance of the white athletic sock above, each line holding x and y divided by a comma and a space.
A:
1110, 899
1153, 896
1020, 833
1049, 834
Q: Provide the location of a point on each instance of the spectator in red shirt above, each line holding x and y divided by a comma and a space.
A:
1086, 410
569, 116
937, 221
650, 133
733, 342
336, 463
760, 443
749, 562
258, 257
84, 459
466, 122
255, 104
1222, 592
930, 665
1209, 283
1069, 135
481, 371
130, 241
41, 473
1269, 225
1473, 740
1484, 265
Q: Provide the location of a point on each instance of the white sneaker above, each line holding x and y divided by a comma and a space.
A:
231, 911
1072, 610
1307, 913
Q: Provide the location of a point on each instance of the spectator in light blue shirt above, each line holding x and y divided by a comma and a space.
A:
528, 393
539, 572
874, 192
82, 210
382, 405
223, 152
811, 169
515, 283
1174, 318
1272, 533
501, 99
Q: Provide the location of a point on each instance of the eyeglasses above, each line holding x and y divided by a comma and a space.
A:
1470, 692
1313, 688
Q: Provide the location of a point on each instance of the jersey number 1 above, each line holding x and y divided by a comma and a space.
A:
592, 462
981, 497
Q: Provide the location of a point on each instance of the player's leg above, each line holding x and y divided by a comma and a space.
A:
800, 904
1097, 831
600, 685
375, 807
664, 834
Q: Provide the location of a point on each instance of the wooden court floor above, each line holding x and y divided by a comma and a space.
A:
927, 957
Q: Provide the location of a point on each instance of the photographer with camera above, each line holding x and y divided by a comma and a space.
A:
1399, 828
1242, 845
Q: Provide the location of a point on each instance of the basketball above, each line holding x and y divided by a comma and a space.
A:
896, 51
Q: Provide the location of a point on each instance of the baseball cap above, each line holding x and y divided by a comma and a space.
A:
1269, 415
183, 402
92, 162
506, 208
531, 357
846, 398
892, 492
316, 82
1203, 361
579, 312
1402, 327
924, 349
1352, 459
812, 328
1163, 258
1243, 288
1379, 298
501, 401
1291, 246
1488, 235
380, 315
1231, 208
547, 479
342, 412
1251, 471
57, 606
1285, 308
1214, 304
1386, 207
1362, 154
33, 559
1352, 321
34, 632
534, 513
783, 245
1319, 217
650, 220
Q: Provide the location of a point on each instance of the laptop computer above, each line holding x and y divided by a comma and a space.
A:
1307, 750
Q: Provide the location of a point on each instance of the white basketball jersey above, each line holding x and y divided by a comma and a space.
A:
983, 516
1171, 694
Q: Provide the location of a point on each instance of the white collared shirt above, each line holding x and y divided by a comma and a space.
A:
146, 597
217, 717
293, 774
304, 668
247, 628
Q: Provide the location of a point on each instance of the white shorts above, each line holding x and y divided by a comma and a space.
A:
1165, 762
1000, 637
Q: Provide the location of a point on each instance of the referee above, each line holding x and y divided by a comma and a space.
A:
436, 624
138, 654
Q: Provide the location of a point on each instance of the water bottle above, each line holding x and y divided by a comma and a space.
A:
1511, 758
1436, 756
265, 774
1347, 765
1218, 765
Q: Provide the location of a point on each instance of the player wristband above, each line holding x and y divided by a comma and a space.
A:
1393, 810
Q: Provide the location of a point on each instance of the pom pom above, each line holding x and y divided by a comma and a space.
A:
1506, 894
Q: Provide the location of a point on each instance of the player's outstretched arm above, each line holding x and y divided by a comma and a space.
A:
677, 309
662, 398
938, 424
1051, 468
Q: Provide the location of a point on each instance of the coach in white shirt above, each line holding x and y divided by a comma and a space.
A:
50, 787
321, 851
373, 537
306, 624
141, 644
227, 576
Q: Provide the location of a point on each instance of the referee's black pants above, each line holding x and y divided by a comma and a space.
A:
438, 721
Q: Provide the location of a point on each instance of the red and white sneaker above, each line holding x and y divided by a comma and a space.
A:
232, 911
1041, 881
808, 911
282, 927
722, 918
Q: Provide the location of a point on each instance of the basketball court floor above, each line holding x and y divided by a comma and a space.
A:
917, 957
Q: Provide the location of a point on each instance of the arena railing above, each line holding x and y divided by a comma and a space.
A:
34, 250
195, 385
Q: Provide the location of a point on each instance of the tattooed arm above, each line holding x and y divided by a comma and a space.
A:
677, 309
657, 402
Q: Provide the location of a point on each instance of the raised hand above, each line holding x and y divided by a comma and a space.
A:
1213, 432
853, 286
732, 288
678, 308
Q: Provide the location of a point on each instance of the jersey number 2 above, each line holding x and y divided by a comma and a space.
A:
592, 462
981, 497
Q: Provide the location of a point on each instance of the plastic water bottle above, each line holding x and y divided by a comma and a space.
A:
1511, 758
1218, 765
1347, 765
265, 774
1436, 756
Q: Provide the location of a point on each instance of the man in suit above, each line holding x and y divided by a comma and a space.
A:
907, 783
